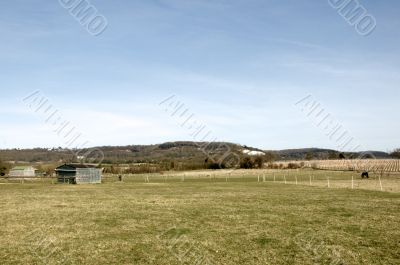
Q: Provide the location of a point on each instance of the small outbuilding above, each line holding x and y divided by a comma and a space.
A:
79, 174
23, 172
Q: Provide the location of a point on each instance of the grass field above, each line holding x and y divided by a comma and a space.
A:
199, 217
372, 165
389, 182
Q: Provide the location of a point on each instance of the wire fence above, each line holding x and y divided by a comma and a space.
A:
317, 178
388, 182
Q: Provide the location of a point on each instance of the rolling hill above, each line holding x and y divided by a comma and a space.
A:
182, 151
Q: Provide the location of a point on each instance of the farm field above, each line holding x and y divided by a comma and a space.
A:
205, 217
389, 181
372, 165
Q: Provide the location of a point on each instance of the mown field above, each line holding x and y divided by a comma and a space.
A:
388, 181
371, 165
200, 218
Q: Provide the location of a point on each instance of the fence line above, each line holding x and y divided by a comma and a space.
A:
314, 178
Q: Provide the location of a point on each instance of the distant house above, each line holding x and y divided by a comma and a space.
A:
78, 174
23, 172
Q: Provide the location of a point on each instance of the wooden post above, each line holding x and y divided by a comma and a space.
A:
310, 180
380, 183
296, 180
264, 177
352, 182
274, 177
258, 178
284, 176
329, 184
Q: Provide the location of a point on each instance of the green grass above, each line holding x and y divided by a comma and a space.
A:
237, 222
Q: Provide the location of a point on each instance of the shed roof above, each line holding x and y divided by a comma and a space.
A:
23, 168
75, 166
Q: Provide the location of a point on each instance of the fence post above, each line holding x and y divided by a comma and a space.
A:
329, 184
352, 182
310, 180
380, 183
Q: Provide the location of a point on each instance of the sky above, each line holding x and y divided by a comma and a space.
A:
238, 67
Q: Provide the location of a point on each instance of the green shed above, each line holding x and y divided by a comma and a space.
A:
79, 174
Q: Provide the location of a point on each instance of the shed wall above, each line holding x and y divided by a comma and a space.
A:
66, 177
22, 173
88, 175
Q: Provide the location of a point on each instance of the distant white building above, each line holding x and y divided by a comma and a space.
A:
23, 171
253, 153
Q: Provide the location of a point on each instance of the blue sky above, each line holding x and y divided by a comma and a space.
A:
239, 66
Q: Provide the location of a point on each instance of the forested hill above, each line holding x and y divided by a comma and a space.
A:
172, 151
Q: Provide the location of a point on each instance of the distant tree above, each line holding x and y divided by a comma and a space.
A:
247, 163
269, 157
216, 166
39, 168
259, 162
395, 153
309, 156
341, 156
333, 155
49, 170
314, 166
114, 170
293, 166
4, 167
